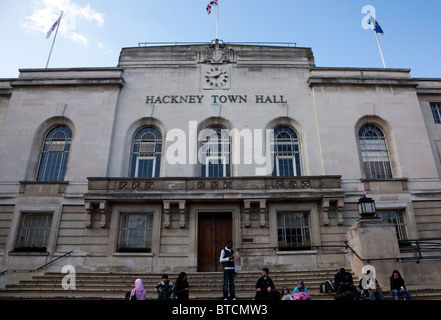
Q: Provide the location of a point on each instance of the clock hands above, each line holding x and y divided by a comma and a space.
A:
217, 75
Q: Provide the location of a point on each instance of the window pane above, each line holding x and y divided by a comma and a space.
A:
135, 231
286, 152
147, 146
34, 231
436, 112
374, 152
293, 230
55, 154
395, 217
215, 152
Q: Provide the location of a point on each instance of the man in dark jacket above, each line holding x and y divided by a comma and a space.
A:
344, 282
265, 289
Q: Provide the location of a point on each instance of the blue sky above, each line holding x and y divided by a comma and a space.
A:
92, 32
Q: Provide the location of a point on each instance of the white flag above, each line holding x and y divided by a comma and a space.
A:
53, 27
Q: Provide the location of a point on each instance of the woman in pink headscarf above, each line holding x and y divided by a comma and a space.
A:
139, 291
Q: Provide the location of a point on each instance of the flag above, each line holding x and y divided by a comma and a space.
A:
376, 26
212, 3
53, 27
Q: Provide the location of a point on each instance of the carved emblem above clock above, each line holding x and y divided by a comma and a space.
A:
217, 53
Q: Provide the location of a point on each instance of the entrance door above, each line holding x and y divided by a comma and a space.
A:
214, 231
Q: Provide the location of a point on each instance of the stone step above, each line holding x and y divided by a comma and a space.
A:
192, 281
120, 294
203, 285
197, 275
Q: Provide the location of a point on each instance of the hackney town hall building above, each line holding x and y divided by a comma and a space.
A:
152, 165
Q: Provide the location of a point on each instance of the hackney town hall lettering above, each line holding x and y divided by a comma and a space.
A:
177, 99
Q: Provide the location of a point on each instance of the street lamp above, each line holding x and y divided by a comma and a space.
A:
366, 207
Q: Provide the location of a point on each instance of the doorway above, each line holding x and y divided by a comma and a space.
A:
214, 231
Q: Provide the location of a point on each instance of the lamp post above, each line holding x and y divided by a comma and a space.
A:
366, 208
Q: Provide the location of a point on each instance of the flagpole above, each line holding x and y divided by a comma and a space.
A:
217, 22
53, 42
379, 47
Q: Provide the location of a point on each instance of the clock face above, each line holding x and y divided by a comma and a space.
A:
216, 77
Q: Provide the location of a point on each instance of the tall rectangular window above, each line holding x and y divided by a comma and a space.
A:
286, 152
436, 112
395, 217
55, 154
293, 231
374, 152
146, 153
215, 153
135, 233
33, 232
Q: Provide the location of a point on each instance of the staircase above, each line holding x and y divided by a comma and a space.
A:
203, 285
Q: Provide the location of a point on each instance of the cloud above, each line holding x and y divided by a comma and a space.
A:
46, 12
78, 38
104, 48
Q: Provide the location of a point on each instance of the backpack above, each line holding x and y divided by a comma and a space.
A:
323, 288
327, 287
330, 286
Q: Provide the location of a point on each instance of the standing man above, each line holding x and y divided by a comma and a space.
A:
227, 260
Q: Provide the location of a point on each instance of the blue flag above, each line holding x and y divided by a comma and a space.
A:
376, 27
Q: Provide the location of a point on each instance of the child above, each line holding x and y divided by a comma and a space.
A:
300, 292
164, 288
300, 287
285, 294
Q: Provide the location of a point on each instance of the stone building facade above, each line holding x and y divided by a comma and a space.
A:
151, 165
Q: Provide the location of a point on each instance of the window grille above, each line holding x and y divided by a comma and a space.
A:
395, 217
55, 154
293, 230
146, 153
436, 112
286, 152
33, 232
215, 152
374, 152
135, 232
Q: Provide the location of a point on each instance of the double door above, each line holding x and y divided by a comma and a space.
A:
214, 231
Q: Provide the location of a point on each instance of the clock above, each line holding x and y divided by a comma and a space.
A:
216, 77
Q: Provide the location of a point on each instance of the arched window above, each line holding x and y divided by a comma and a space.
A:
215, 152
374, 153
146, 153
286, 153
55, 154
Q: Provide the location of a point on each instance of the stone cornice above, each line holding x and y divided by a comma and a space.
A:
5, 87
232, 188
69, 77
314, 81
361, 77
69, 82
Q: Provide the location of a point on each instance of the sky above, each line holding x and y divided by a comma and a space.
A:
93, 32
